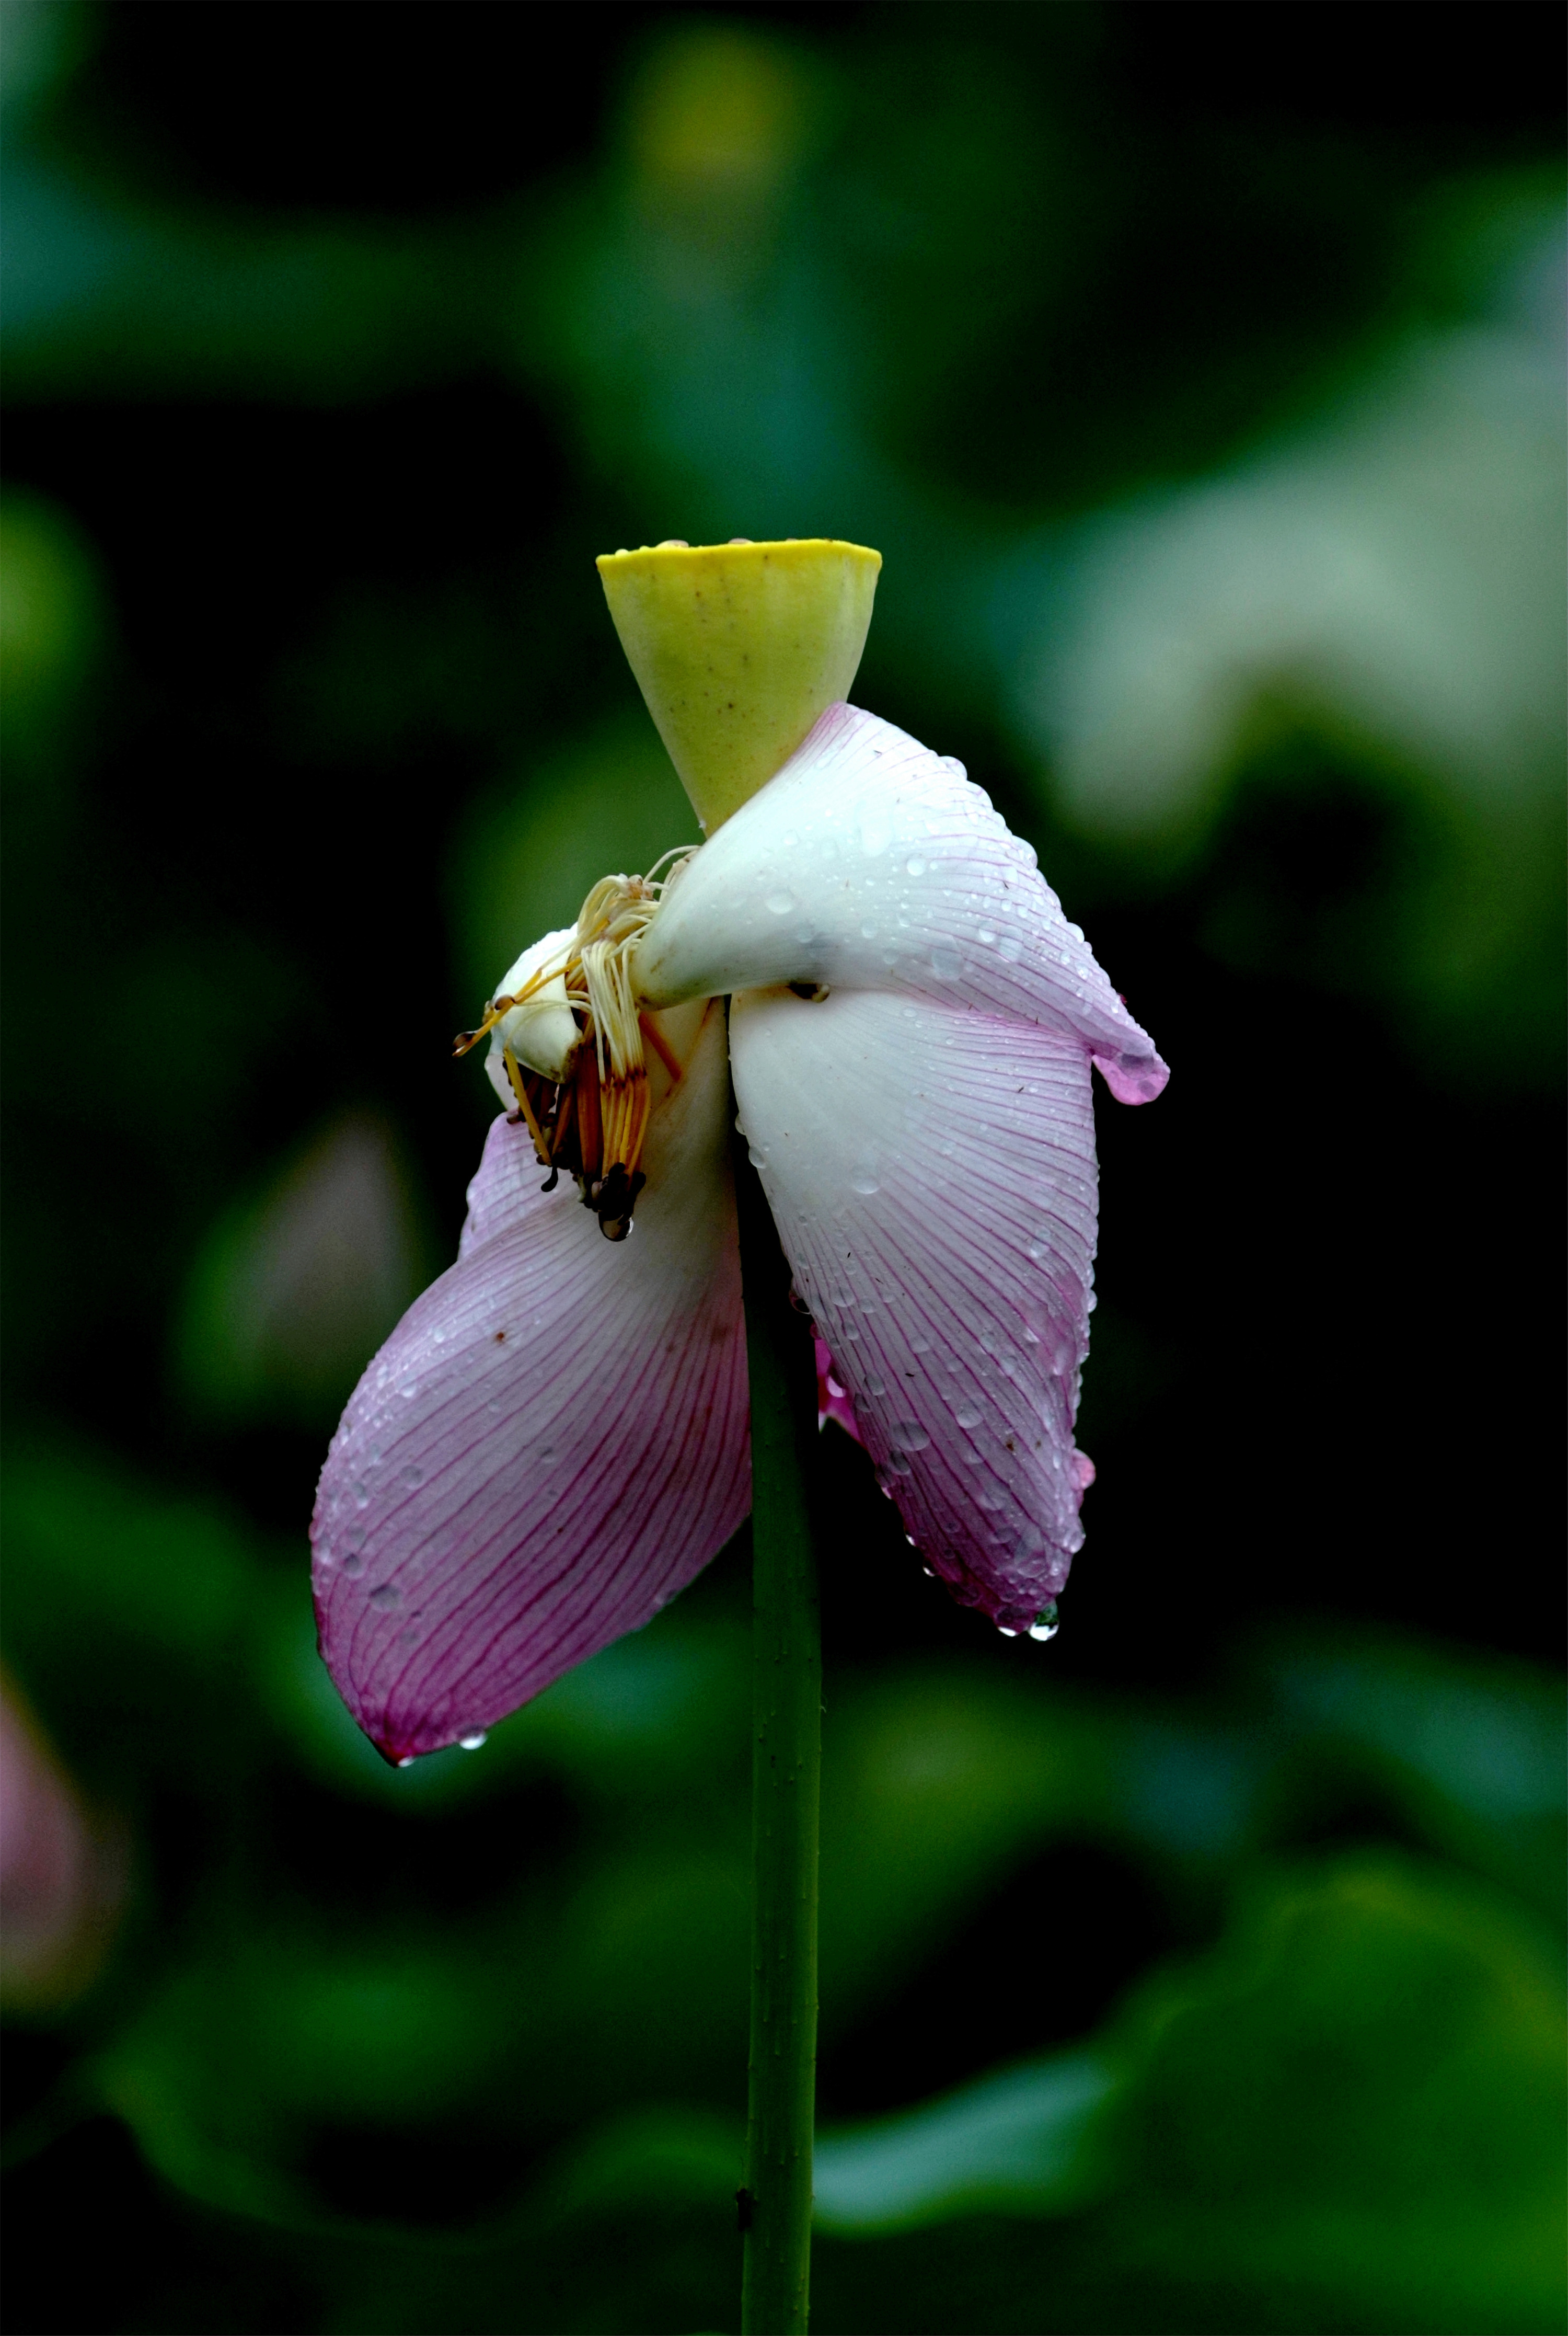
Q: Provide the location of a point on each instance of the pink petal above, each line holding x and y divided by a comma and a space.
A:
62, 1878
833, 1400
552, 1442
932, 1174
871, 864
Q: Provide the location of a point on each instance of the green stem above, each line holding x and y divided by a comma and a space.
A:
785, 1770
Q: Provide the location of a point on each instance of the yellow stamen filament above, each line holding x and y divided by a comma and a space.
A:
500, 1008
561, 1126
515, 1080
656, 1039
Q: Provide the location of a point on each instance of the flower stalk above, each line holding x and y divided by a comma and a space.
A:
786, 1771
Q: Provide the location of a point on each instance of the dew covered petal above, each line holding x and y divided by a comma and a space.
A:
932, 1174
552, 1442
870, 862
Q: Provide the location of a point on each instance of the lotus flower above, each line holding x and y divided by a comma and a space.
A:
554, 1440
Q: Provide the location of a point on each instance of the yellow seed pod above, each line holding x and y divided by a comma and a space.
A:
737, 647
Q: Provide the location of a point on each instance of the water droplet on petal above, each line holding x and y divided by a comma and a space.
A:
407, 1761
916, 865
862, 1177
1045, 1625
868, 931
908, 1436
472, 1743
969, 1413
384, 1599
780, 903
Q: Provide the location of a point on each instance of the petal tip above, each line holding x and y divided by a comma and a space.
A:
1133, 1078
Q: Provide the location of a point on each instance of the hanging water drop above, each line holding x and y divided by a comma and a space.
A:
472, 1743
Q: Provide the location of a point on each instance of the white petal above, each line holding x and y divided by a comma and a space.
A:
871, 864
541, 1033
932, 1174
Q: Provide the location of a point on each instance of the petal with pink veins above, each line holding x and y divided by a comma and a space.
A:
551, 1444
932, 1174
869, 862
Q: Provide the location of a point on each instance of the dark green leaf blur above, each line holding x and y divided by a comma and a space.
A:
1198, 373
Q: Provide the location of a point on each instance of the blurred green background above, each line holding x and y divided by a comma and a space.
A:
1198, 370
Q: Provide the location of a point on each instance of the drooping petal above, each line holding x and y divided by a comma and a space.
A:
932, 1174
551, 1443
869, 862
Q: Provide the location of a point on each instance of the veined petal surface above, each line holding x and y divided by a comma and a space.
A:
932, 1174
551, 1444
869, 862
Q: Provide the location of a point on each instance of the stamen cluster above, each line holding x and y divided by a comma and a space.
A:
593, 1121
